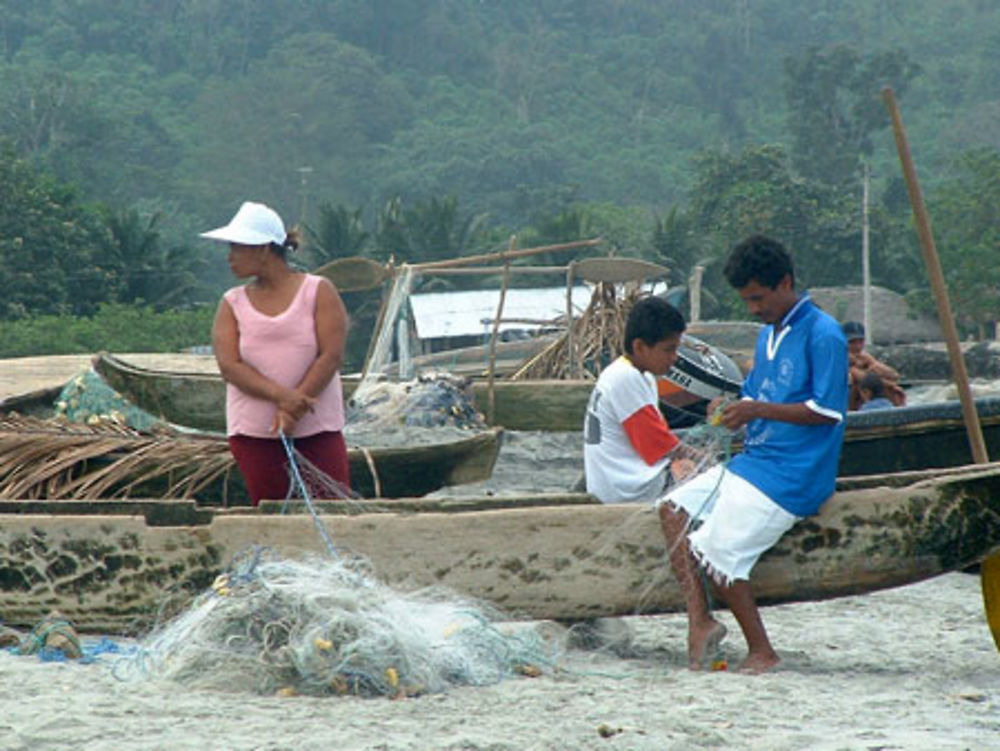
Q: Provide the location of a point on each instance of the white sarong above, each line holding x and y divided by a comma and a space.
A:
737, 522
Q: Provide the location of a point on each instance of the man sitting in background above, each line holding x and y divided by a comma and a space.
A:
861, 362
872, 390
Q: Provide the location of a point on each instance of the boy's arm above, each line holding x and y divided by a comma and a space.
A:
649, 434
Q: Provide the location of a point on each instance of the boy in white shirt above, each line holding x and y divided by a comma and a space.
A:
627, 442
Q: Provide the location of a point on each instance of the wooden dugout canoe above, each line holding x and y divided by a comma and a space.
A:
108, 566
197, 400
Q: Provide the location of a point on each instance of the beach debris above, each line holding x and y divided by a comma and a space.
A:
52, 634
975, 697
9, 637
598, 336
57, 459
432, 399
324, 627
613, 635
607, 731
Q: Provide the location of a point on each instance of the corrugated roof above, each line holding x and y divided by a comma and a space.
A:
440, 314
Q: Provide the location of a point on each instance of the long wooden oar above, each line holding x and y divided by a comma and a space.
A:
990, 569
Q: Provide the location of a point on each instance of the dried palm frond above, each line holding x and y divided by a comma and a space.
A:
53, 460
598, 336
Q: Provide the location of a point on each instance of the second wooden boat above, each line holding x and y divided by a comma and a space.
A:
197, 400
39, 459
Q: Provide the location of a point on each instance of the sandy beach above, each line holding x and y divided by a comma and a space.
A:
908, 668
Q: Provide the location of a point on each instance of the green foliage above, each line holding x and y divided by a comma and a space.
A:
114, 327
50, 260
339, 233
150, 272
758, 191
967, 217
835, 106
673, 244
443, 127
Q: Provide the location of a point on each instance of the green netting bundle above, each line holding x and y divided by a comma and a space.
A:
88, 399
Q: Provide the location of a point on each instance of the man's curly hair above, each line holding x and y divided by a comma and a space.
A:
758, 259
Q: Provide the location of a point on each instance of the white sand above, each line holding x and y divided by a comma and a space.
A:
911, 668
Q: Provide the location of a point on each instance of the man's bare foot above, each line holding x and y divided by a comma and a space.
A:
704, 642
757, 663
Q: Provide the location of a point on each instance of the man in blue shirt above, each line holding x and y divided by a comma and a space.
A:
793, 405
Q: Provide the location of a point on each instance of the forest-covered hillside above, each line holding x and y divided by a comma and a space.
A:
432, 127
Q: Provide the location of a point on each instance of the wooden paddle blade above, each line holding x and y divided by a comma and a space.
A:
354, 274
989, 573
616, 270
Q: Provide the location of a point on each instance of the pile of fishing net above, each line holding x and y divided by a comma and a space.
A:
432, 399
327, 627
88, 399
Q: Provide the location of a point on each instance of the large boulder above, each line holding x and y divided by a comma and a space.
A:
891, 319
930, 362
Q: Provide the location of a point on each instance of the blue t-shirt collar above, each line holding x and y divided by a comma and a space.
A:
777, 333
794, 310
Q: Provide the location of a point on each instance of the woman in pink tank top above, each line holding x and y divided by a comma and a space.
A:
279, 341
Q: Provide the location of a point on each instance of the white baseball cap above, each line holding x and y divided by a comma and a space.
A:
254, 224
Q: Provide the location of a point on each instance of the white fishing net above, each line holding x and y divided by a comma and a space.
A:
328, 627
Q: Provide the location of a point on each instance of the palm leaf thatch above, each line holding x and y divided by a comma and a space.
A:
598, 335
58, 460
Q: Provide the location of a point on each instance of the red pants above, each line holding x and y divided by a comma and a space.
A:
264, 463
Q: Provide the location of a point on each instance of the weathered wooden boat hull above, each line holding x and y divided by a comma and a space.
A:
920, 436
36, 403
109, 566
197, 400
417, 469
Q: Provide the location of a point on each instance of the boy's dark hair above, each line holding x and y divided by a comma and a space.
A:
758, 259
872, 382
652, 319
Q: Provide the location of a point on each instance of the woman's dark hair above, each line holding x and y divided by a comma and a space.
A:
291, 244
872, 382
758, 259
652, 319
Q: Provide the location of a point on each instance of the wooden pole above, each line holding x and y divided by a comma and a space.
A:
866, 276
933, 263
570, 359
491, 374
492, 270
694, 293
379, 322
505, 255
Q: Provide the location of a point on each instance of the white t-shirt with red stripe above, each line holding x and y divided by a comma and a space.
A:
626, 441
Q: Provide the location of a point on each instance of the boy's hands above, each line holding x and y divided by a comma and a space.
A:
681, 468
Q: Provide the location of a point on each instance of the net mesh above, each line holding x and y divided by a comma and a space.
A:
329, 627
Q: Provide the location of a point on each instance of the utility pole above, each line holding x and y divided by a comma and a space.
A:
866, 276
304, 173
